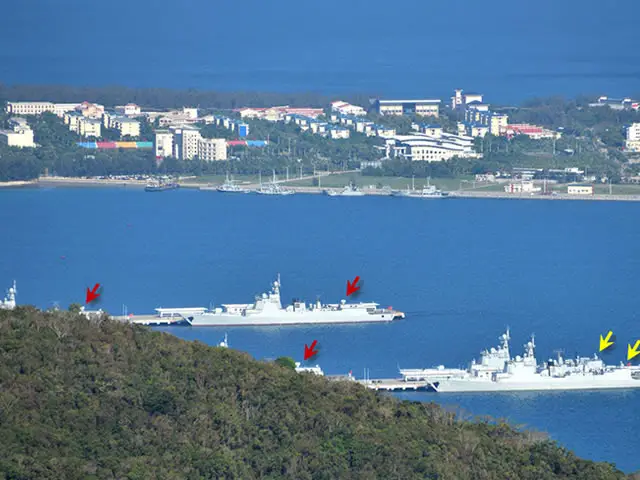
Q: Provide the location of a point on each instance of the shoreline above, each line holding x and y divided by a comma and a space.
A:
94, 182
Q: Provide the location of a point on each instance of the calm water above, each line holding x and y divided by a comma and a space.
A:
508, 50
462, 270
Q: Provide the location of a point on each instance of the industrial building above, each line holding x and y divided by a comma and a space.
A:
425, 107
276, 114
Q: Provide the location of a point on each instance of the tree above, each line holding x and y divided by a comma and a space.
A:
75, 308
286, 362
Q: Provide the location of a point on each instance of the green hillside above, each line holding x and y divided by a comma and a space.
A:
83, 399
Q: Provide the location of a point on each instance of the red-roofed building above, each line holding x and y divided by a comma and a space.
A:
532, 131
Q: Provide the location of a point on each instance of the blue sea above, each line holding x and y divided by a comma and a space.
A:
462, 270
506, 49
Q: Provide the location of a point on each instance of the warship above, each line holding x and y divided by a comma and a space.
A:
497, 371
9, 302
349, 191
268, 310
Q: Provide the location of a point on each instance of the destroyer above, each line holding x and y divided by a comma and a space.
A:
498, 371
9, 302
267, 310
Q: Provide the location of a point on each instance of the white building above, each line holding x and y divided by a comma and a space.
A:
128, 110
338, 132
522, 187
126, 126
20, 136
461, 100
431, 149
163, 143
345, 108
632, 141
212, 149
89, 127
29, 108
424, 107
580, 189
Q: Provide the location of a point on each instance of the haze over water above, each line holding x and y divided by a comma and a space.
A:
462, 270
508, 50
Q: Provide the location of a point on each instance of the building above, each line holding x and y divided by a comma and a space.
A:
128, 127
460, 100
128, 110
185, 143
89, 127
431, 149
580, 189
90, 110
212, 149
163, 143
533, 131
423, 107
345, 108
632, 140
617, 103
473, 129
186, 115
276, 114
522, 187
427, 129
335, 132
29, 108
20, 135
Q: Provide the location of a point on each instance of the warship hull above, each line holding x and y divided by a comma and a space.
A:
460, 386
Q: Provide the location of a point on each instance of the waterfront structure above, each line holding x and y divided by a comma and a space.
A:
422, 107
580, 189
632, 137
461, 100
212, 149
521, 187
617, 103
345, 108
20, 135
431, 149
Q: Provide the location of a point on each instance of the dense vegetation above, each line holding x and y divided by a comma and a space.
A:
94, 399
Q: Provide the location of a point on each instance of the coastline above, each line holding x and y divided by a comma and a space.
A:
94, 182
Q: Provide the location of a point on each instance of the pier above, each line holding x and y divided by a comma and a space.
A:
397, 385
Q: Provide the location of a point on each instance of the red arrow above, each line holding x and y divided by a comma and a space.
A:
91, 294
310, 352
352, 287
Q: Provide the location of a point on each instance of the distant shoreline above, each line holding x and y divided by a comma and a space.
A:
94, 182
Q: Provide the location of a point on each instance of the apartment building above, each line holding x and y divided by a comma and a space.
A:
163, 143
212, 149
89, 127
632, 140
128, 110
126, 126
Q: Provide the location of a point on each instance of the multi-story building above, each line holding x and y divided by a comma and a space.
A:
425, 107
617, 103
127, 126
345, 108
276, 114
89, 127
473, 129
163, 143
20, 135
461, 100
90, 110
185, 144
29, 108
212, 149
533, 131
427, 129
632, 141
336, 132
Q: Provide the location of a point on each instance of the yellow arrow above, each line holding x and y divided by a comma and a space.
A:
604, 342
632, 352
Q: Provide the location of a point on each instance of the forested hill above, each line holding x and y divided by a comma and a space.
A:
83, 399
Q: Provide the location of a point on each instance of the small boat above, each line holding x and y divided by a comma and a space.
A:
349, 191
160, 186
428, 191
224, 343
273, 188
228, 187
